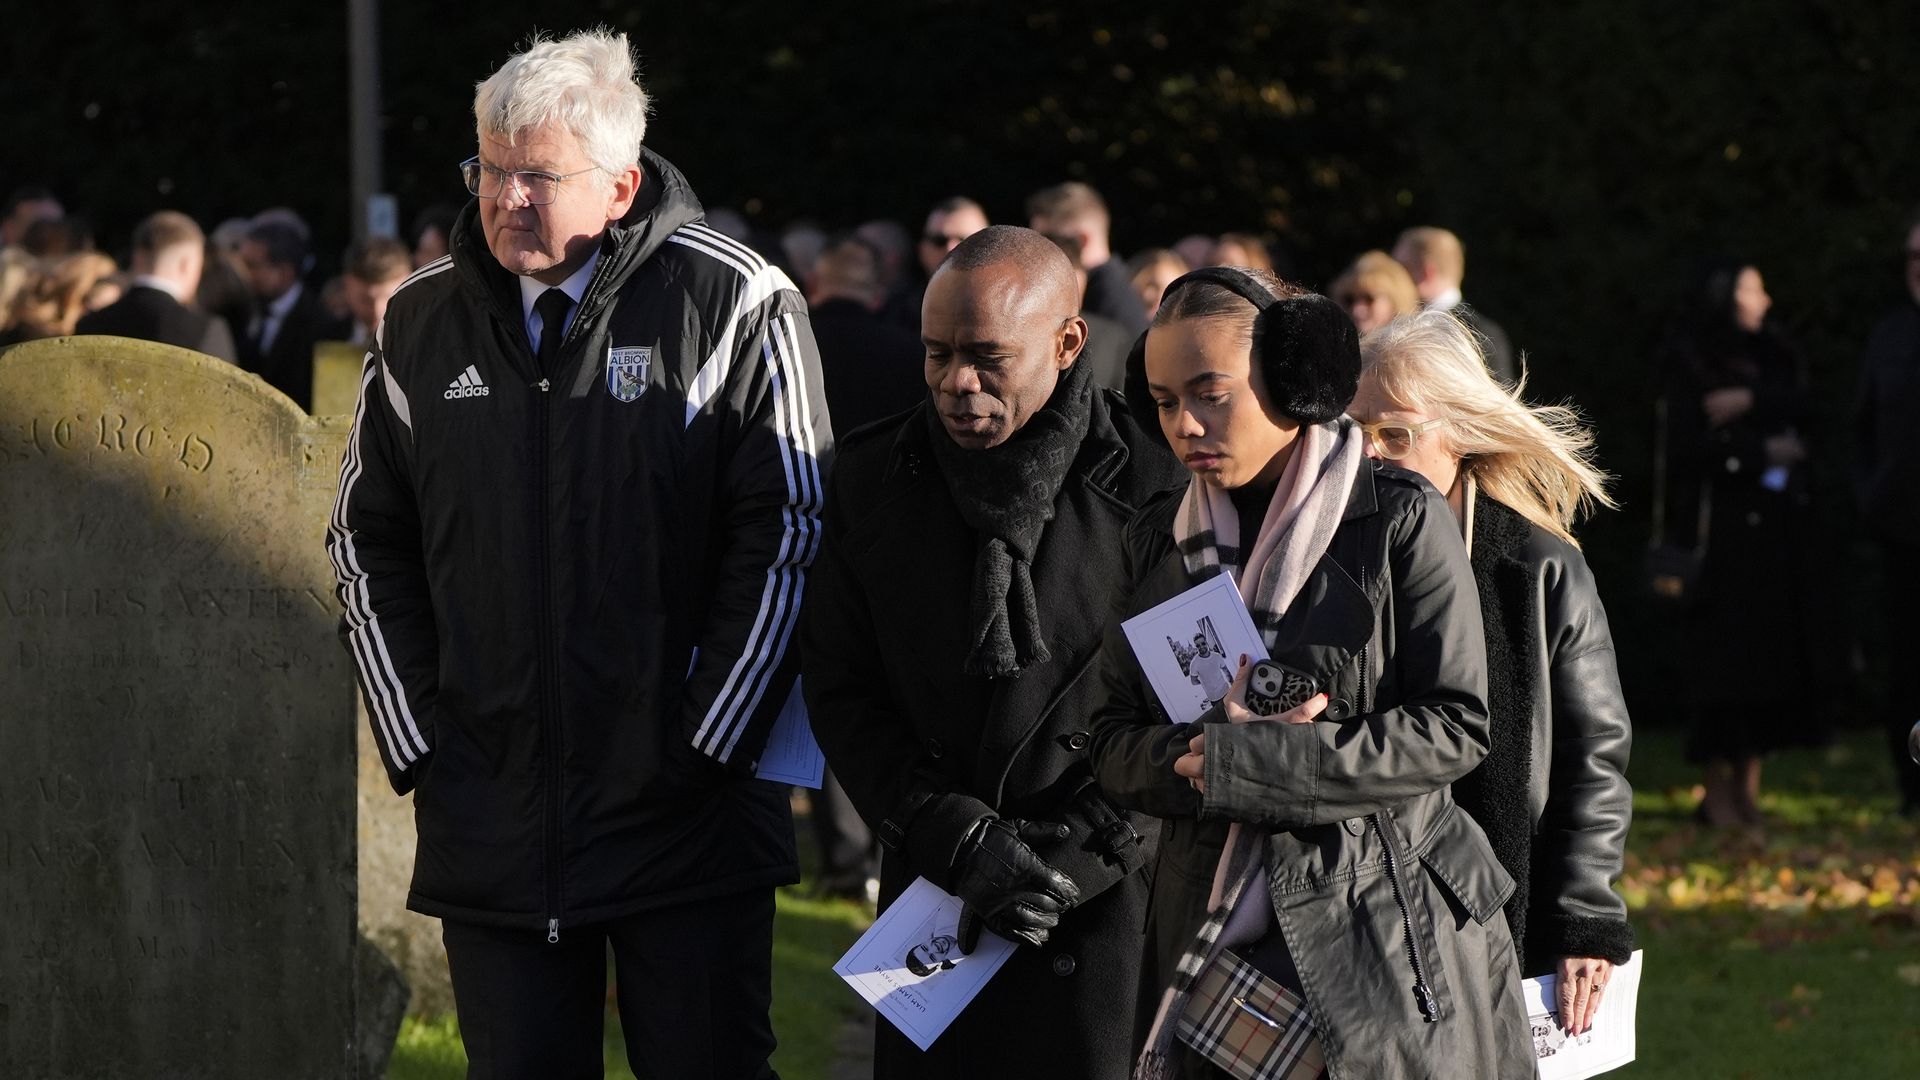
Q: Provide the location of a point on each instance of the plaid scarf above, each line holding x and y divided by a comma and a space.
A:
1307, 506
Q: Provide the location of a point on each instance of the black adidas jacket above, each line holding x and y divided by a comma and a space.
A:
570, 598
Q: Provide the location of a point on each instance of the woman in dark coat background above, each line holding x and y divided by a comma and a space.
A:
1376, 902
1552, 793
1737, 490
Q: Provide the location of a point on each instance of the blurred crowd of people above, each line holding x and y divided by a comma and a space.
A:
244, 292
1735, 517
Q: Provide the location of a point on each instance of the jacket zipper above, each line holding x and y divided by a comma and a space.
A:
549, 712
1422, 993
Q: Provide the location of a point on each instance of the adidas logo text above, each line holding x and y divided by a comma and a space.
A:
467, 385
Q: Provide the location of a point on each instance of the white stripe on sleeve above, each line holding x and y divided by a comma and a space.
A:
746, 684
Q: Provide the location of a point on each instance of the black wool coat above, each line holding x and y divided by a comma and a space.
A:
915, 741
1763, 610
1552, 792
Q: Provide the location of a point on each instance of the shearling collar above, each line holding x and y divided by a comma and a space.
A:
1498, 530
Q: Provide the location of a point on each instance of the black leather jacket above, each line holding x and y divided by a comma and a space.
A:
1552, 793
1377, 879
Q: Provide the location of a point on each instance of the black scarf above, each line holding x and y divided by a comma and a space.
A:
1006, 494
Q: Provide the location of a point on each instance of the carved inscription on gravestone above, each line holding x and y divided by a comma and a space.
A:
176, 732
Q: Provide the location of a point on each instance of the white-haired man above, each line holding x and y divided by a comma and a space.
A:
575, 517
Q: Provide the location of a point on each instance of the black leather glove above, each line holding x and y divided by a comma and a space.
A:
1003, 884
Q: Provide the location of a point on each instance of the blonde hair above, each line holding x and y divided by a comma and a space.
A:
1536, 459
1381, 275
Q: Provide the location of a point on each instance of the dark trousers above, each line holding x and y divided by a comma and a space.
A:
695, 983
1899, 644
847, 849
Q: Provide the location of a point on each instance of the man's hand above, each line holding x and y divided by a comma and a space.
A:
1005, 885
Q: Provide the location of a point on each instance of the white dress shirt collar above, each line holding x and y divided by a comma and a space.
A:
148, 281
575, 287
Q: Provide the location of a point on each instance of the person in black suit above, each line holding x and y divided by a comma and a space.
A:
374, 268
1076, 209
169, 252
1437, 262
1108, 342
287, 316
873, 370
872, 367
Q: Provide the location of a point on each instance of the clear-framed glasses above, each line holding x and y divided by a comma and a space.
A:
1395, 439
539, 188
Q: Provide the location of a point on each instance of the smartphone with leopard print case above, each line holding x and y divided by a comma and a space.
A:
1274, 688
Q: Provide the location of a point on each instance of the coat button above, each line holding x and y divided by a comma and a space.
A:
1063, 965
934, 749
1354, 826
1166, 830
1339, 709
1078, 741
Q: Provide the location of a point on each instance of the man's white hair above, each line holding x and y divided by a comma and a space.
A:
585, 82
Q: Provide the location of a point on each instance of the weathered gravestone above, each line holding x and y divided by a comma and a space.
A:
177, 745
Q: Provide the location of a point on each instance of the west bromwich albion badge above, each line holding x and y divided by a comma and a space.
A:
627, 371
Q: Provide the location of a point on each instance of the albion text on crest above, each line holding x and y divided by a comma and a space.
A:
627, 371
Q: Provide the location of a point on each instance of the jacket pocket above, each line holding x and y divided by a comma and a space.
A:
1457, 853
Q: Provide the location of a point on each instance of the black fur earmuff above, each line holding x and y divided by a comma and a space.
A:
1307, 349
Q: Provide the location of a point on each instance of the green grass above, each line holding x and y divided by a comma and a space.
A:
810, 1003
1791, 951
1839, 998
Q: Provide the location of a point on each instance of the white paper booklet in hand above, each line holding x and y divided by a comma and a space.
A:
792, 756
1190, 646
908, 964
1608, 1044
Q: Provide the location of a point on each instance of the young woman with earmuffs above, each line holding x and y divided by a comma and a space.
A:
1318, 901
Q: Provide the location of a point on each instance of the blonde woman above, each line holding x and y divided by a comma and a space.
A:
1552, 792
1375, 290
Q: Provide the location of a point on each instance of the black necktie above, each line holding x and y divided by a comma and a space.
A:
552, 306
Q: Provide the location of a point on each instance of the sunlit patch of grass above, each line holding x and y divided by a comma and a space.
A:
1782, 950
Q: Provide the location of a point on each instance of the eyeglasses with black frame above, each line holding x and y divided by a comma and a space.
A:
1395, 439
539, 188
